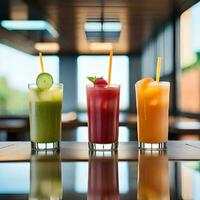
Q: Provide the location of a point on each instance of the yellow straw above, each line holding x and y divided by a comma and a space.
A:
41, 62
110, 67
158, 69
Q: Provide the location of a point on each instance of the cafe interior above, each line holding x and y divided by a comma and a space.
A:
76, 38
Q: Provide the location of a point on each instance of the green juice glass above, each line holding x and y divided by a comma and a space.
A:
45, 108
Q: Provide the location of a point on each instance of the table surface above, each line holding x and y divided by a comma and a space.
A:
78, 151
75, 173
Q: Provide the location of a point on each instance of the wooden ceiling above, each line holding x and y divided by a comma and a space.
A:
139, 19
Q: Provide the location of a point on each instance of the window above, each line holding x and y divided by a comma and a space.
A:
17, 70
189, 85
98, 66
161, 45
82, 134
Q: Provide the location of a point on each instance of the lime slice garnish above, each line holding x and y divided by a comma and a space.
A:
44, 80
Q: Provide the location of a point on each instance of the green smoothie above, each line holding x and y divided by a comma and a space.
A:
45, 113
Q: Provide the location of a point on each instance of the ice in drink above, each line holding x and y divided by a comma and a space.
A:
45, 114
152, 100
45, 107
103, 113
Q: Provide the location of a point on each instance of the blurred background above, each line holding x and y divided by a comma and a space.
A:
76, 37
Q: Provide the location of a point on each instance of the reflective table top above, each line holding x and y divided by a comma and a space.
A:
102, 177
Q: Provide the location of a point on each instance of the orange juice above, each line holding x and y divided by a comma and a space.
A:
153, 177
152, 100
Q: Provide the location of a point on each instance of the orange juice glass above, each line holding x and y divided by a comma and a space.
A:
152, 99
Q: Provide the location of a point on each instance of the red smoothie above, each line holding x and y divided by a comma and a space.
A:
103, 113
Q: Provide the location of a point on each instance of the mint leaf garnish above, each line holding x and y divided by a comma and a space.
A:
92, 78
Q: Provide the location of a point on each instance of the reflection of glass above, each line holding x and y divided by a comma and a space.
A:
103, 178
45, 177
153, 177
45, 108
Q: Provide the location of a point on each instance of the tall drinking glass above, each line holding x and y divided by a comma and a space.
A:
152, 100
103, 116
45, 116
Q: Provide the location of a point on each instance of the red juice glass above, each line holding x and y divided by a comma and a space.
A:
103, 116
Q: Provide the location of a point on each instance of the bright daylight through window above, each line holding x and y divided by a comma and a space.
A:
17, 70
98, 66
189, 85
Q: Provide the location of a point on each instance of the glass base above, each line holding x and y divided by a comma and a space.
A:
103, 147
45, 146
152, 146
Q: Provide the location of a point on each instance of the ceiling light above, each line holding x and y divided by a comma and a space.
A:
93, 26
112, 26
29, 25
98, 26
47, 47
102, 31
